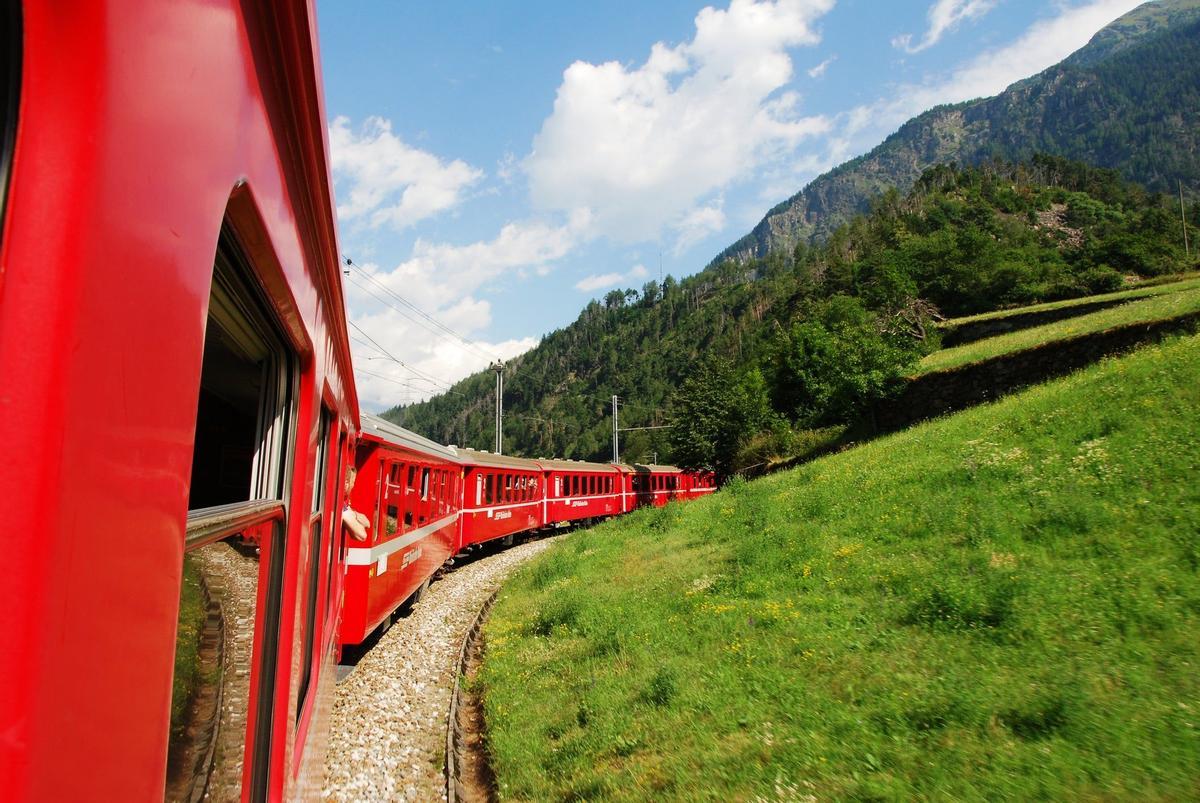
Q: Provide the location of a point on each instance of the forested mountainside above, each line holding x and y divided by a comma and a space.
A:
781, 330
1128, 100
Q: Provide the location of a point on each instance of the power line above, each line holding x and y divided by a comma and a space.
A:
397, 360
471, 344
408, 385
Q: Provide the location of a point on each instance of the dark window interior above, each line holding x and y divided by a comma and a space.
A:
226, 423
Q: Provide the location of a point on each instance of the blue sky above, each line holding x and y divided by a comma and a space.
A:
497, 165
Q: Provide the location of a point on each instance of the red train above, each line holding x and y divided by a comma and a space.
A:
175, 370
427, 503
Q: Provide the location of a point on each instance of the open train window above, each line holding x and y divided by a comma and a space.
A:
241, 457
244, 413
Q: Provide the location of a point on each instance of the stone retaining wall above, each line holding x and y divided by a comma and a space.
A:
942, 392
989, 327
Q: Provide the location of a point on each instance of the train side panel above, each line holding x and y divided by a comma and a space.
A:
412, 502
499, 502
144, 129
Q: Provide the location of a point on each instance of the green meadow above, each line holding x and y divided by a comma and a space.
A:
998, 604
1155, 308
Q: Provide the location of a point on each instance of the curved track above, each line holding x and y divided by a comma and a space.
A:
388, 729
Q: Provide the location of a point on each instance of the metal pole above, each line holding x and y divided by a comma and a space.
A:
616, 448
498, 367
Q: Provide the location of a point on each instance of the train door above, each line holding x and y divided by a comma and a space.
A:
240, 475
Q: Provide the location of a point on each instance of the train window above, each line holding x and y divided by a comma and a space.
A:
242, 449
488, 496
412, 477
394, 475
424, 484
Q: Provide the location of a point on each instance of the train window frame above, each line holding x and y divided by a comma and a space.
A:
243, 338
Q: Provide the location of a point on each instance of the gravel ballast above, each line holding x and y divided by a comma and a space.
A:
388, 729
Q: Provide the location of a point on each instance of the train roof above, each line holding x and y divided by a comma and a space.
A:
388, 432
490, 459
575, 465
643, 468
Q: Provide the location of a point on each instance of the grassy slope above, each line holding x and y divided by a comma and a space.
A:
1148, 309
1173, 284
999, 603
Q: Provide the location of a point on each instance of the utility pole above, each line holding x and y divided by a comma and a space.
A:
1183, 220
498, 367
616, 448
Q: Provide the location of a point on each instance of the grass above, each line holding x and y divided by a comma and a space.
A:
187, 645
999, 604
1145, 310
1162, 285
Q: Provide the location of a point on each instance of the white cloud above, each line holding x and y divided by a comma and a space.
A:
1043, 44
944, 16
383, 383
601, 281
442, 280
697, 224
387, 181
437, 274
819, 70
643, 147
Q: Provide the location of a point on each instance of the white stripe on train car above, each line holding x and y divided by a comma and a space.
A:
489, 508
365, 556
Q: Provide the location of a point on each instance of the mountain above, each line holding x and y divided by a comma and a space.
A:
802, 337
1128, 100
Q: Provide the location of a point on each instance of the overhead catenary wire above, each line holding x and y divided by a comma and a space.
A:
443, 328
428, 377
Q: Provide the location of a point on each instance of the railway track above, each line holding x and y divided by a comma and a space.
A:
389, 726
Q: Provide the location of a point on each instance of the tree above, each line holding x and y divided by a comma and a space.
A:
714, 411
830, 366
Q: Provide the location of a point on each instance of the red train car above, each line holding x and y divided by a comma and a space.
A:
579, 490
502, 496
655, 486
410, 488
174, 368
